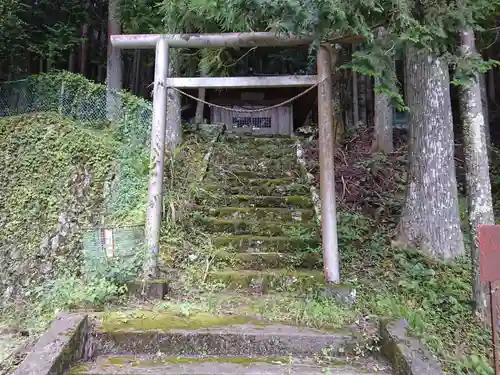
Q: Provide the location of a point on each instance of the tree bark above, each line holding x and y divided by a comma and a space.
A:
338, 123
362, 99
485, 108
137, 72
430, 219
370, 105
114, 66
71, 61
200, 107
382, 120
84, 50
173, 129
355, 99
382, 141
101, 68
491, 86
476, 171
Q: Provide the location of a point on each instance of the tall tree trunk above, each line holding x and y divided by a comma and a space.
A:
84, 50
382, 120
114, 66
137, 72
485, 108
362, 99
370, 106
173, 129
382, 141
355, 103
200, 107
101, 68
430, 219
491, 86
338, 123
71, 61
476, 170
355, 99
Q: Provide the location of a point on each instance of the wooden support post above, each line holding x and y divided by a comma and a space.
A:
155, 189
326, 164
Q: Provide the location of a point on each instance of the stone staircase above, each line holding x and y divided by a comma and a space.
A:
260, 213
257, 207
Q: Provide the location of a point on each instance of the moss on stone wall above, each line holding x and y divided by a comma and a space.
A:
52, 175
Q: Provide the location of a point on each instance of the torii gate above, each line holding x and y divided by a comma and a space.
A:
162, 43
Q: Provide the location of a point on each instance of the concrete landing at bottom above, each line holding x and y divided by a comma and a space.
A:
151, 365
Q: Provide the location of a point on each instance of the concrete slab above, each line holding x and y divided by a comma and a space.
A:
407, 355
156, 365
59, 347
251, 339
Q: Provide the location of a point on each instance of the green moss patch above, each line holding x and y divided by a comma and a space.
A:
264, 201
251, 243
143, 320
160, 361
302, 281
263, 261
264, 189
235, 226
49, 166
284, 215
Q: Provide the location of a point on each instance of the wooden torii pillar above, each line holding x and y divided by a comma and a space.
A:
162, 42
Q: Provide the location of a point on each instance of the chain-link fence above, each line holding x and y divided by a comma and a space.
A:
75, 97
92, 106
102, 248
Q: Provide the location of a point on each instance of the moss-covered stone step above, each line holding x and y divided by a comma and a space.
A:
263, 228
233, 181
257, 244
263, 261
173, 333
255, 163
291, 201
237, 187
231, 171
284, 215
257, 139
262, 281
143, 364
255, 150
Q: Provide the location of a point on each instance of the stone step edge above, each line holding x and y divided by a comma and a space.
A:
219, 365
231, 209
241, 340
243, 243
257, 223
269, 260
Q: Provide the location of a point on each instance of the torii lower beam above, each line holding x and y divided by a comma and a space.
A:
241, 82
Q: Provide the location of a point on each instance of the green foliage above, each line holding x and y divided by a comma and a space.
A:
75, 97
40, 155
118, 270
70, 292
434, 297
432, 26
